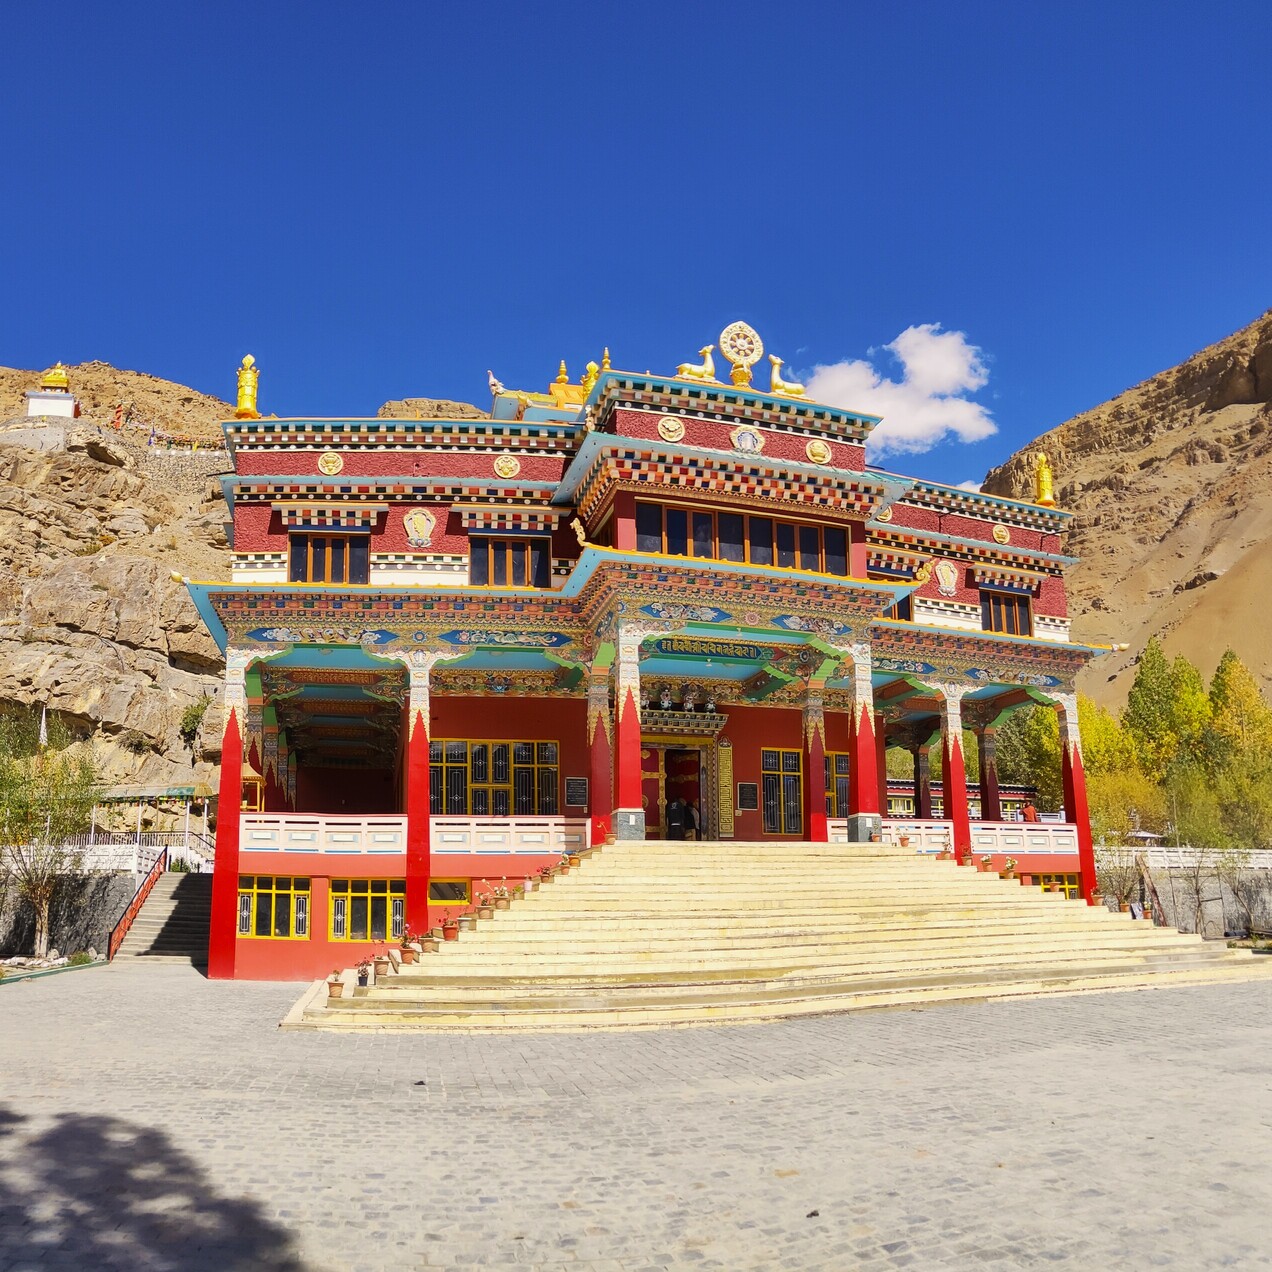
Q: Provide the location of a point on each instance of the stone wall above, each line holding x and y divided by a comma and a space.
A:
83, 912
1221, 912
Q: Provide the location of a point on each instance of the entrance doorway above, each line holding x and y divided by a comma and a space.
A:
684, 782
672, 771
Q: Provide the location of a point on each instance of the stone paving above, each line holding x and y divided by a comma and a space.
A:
150, 1119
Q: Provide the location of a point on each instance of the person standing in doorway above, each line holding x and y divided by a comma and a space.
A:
676, 819
693, 821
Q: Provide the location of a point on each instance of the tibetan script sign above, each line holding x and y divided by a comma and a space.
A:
710, 647
576, 792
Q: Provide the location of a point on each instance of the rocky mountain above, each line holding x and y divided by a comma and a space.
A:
1171, 487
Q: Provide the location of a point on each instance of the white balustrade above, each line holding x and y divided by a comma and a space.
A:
924, 834
320, 833
1016, 839
508, 835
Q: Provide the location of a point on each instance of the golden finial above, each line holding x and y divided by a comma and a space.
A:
741, 344
590, 377
605, 362
248, 376
55, 378
563, 376
1044, 482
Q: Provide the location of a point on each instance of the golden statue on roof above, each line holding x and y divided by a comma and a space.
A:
1044, 482
248, 376
741, 344
55, 378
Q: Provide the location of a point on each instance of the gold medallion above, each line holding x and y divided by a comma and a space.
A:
1001, 534
741, 344
507, 466
330, 463
884, 514
671, 429
818, 452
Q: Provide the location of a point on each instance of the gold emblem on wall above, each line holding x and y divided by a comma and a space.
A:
507, 466
1001, 534
741, 344
330, 463
746, 439
818, 452
884, 514
671, 429
946, 577
420, 525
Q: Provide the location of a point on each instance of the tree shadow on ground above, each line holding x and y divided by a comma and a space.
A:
102, 1193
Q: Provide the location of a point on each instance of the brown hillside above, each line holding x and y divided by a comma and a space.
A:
1171, 487
168, 407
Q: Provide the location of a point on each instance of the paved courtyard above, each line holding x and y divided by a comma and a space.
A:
152, 1119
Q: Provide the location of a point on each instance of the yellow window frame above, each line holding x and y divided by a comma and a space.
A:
488, 784
299, 909
348, 890
466, 884
1070, 883
782, 772
832, 778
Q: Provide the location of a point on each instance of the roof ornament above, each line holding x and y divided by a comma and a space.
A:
590, 377
55, 379
703, 371
605, 360
1044, 482
741, 344
780, 387
496, 386
248, 378
563, 376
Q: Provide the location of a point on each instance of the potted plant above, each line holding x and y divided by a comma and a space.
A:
1009, 869
501, 895
984, 863
485, 903
545, 875
408, 946
903, 840
429, 943
563, 866
468, 922
335, 986
450, 927
363, 968
574, 858
382, 964
944, 855
876, 837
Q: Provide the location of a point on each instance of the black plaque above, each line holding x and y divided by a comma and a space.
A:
576, 792
748, 797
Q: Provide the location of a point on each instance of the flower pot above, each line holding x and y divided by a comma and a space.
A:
467, 922
381, 967
335, 989
450, 932
485, 911
982, 866
408, 955
575, 859
429, 945
903, 840
502, 903
876, 838
1124, 907
1006, 874
362, 979
562, 869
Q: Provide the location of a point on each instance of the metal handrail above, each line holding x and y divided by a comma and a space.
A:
120, 930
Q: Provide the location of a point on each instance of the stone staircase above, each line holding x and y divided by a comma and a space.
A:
173, 924
658, 934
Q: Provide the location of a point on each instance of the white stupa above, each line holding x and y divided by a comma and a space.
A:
54, 396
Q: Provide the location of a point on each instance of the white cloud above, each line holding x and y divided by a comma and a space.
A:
929, 401
973, 486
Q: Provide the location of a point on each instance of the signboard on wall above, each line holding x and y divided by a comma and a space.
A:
576, 792
748, 797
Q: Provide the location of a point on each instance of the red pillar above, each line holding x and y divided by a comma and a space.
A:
417, 811
863, 760
954, 775
881, 760
629, 813
601, 787
223, 929
991, 804
1073, 777
816, 829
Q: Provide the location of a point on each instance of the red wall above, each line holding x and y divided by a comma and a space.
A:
398, 463
346, 792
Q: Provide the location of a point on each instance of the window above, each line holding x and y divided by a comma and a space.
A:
493, 779
903, 610
1006, 612
509, 562
367, 909
836, 783
1069, 882
449, 892
273, 906
783, 793
253, 795
734, 536
329, 558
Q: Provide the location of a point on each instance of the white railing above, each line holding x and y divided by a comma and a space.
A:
924, 834
1164, 858
114, 852
542, 835
318, 832
1017, 839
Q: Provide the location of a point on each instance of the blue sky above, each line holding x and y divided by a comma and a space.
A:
384, 200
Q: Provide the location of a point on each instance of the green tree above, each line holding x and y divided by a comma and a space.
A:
46, 799
1106, 746
1148, 714
1195, 812
1190, 711
1029, 753
1122, 801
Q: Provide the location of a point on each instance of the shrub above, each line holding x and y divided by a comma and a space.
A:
192, 718
79, 958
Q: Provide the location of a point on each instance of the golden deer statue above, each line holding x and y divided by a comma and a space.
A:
704, 370
784, 388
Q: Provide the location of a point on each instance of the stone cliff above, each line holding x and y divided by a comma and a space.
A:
1169, 483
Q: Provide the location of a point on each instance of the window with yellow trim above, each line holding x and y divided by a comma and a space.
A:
782, 792
494, 779
836, 783
253, 795
450, 892
1069, 882
366, 909
274, 906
